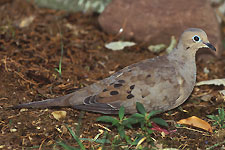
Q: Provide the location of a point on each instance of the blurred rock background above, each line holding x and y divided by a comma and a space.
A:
146, 20
74, 5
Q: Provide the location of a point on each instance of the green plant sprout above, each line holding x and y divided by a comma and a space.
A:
59, 70
119, 124
67, 147
122, 139
145, 119
79, 141
219, 119
142, 117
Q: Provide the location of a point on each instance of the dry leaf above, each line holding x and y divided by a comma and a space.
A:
156, 48
172, 45
59, 114
207, 97
196, 122
212, 82
26, 21
119, 45
222, 92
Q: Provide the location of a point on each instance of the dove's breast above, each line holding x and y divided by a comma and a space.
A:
187, 81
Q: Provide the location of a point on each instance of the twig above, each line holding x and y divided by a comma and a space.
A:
5, 62
103, 127
194, 130
21, 76
215, 145
3, 98
42, 142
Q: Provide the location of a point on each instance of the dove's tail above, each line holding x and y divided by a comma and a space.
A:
62, 101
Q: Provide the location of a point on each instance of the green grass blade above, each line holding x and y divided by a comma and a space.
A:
67, 147
76, 138
101, 141
59, 70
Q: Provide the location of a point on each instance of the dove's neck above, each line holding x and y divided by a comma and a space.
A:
183, 55
184, 59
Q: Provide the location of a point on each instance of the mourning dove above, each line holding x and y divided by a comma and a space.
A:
161, 83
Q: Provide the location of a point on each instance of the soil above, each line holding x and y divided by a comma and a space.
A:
29, 54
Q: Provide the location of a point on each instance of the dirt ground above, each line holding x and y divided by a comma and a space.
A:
29, 56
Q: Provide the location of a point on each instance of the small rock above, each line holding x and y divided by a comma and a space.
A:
206, 98
23, 109
13, 130
206, 70
222, 92
2, 146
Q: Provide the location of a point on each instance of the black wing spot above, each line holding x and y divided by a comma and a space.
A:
121, 81
104, 90
114, 93
132, 87
130, 96
90, 99
117, 85
148, 76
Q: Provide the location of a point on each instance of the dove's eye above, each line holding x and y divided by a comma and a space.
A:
196, 38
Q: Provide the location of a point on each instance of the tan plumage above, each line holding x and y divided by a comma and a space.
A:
160, 83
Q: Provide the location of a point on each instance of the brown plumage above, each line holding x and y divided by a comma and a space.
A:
160, 83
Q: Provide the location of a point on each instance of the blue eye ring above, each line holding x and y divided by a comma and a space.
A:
196, 38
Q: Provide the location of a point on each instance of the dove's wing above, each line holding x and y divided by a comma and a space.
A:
152, 82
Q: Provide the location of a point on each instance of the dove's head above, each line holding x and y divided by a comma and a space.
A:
194, 38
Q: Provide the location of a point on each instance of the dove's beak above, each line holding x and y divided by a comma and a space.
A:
209, 45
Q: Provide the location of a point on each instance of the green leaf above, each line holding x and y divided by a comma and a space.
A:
215, 123
130, 121
108, 119
213, 117
128, 126
126, 123
140, 108
149, 131
121, 131
121, 113
128, 140
219, 119
138, 116
149, 124
221, 113
152, 113
142, 125
160, 121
